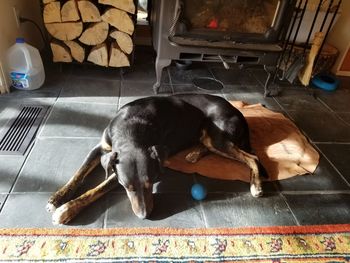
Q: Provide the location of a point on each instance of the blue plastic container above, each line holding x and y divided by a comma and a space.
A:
325, 82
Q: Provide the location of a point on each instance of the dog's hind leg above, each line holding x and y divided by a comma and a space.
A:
253, 163
66, 192
69, 210
197, 153
229, 150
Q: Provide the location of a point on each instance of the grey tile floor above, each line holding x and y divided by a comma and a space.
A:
83, 99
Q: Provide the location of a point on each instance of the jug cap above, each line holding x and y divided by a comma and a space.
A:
20, 40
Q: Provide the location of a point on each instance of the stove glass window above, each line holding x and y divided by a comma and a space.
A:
236, 16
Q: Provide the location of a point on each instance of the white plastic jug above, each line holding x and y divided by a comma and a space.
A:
25, 66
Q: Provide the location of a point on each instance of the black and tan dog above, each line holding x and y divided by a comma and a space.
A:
141, 136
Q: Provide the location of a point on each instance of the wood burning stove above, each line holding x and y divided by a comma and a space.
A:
228, 31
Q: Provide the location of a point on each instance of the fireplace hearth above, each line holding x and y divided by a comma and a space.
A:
244, 32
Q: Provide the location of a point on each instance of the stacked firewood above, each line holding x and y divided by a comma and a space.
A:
96, 31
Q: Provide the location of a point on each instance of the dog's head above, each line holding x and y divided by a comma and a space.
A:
137, 170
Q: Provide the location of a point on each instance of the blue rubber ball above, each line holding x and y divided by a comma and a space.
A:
198, 192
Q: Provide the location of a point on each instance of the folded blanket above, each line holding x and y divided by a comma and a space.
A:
282, 149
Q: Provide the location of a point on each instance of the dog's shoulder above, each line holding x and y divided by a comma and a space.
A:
156, 107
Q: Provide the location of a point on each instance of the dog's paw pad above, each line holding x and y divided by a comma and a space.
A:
192, 157
61, 215
50, 207
256, 191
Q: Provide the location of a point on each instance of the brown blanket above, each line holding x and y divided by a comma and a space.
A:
282, 149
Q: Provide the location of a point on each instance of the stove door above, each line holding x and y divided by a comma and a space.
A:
236, 20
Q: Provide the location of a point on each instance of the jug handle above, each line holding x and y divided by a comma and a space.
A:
28, 59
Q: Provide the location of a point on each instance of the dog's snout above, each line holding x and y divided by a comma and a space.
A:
141, 214
142, 209
141, 204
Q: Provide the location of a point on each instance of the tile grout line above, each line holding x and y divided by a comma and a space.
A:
2, 203
65, 82
212, 74
332, 143
69, 137
120, 89
315, 192
290, 209
279, 105
18, 174
62, 101
44, 122
94, 78
23, 193
256, 79
87, 102
334, 167
335, 113
304, 133
170, 81
49, 112
222, 94
324, 104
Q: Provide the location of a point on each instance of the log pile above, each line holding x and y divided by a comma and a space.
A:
98, 31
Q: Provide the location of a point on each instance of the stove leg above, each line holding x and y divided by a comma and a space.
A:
270, 88
160, 64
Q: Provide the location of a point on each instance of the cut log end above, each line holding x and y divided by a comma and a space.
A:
60, 52
125, 5
89, 12
65, 31
99, 55
119, 19
124, 41
69, 11
52, 12
95, 34
117, 58
77, 51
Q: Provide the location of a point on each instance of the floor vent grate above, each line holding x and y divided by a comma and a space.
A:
15, 139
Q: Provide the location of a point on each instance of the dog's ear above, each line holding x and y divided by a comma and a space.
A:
108, 162
158, 152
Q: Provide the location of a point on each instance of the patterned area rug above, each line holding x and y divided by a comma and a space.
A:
328, 243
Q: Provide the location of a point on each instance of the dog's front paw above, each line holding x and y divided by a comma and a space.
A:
62, 215
50, 207
53, 203
256, 190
